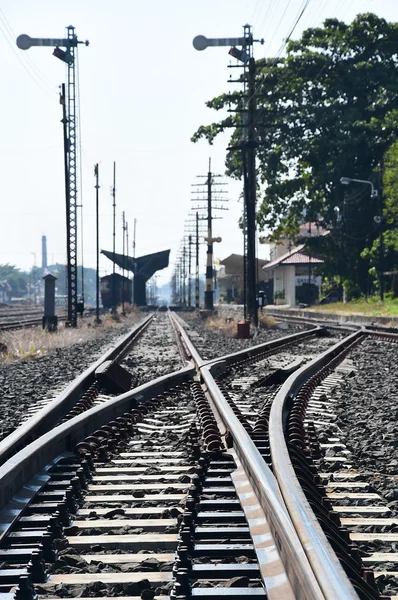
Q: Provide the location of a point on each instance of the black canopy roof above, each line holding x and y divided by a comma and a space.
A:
143, 266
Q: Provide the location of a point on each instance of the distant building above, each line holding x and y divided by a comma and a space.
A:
293, 268
230, 278
122, 284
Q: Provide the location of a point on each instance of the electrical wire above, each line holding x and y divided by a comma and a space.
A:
285, 42
276, 29
10, 36
361, 195
43, 89
268, 14
254, 14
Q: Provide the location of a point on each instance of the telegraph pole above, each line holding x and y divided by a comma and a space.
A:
381, 236
114, 242
193, 231
247, 146
127, 246
251, 196
197, 288
189, 270
124, 232
97, 281
209, 291
184, 275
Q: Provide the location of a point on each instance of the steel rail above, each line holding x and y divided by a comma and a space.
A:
48, 416
183, 349
23, 466
14, 325
298, 568
300, 573
192, 351
230, 359
329, 572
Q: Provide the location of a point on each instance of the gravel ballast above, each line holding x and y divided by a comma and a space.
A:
367, 413
158, 347
26, 382
213, 342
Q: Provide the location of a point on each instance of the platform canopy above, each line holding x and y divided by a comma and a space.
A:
143, 266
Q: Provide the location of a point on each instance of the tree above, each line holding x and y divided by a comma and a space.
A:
389, 222
15, 278
324, 111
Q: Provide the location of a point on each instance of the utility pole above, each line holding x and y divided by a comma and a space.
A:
380, 222
134, 242
248, 150
114, 243
184, 276
127, 246
247, 147
193, 231
251, 196
134, 232
97, 281
72, 298
209, 255
34, 278
123, 233
197, 288
189, 270
209, 291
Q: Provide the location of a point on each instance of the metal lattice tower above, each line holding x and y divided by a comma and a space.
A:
72, 176
69, 120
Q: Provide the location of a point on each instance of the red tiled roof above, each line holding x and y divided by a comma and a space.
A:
294, 257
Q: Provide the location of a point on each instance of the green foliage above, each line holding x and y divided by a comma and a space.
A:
22, 282
279, 295
326, 110
389, 222
15, 278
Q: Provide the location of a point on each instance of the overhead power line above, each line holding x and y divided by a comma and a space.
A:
9, 37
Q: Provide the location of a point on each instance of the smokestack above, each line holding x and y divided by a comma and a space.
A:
43, 252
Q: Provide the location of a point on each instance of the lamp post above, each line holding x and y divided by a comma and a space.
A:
34, 278
339, 223
378, 219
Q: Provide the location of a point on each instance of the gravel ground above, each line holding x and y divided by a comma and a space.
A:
214, 342
243, 378
158, 346
368, 414
25, 382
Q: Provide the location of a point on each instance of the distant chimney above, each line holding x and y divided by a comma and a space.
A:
43, 252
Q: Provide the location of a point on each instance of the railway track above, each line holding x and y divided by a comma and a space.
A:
18, 318
187, 486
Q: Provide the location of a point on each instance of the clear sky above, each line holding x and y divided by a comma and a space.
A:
143, 90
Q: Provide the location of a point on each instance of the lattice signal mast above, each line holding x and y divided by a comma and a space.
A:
68, 100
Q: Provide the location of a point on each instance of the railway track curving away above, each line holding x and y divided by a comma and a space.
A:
162, 474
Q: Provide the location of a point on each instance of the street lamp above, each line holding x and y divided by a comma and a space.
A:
347, 180
374, 193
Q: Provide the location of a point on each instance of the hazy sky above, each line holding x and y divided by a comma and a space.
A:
143, 90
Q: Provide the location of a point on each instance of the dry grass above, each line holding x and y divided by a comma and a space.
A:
267, 322
228, 326
34, 342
